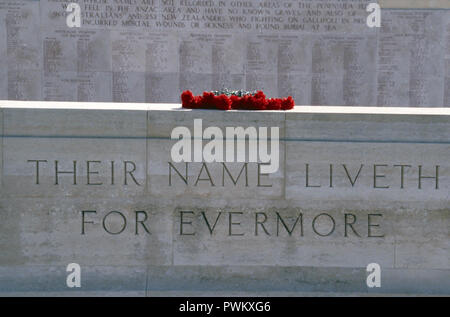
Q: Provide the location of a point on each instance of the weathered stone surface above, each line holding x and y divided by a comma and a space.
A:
163, 235
221, 184
287, 237
1, 150
415, 4
115, 232
402, 281
355, 145
111, 146
38, 280
320, 52
247, 279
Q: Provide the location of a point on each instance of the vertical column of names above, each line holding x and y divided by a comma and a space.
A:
195, 62
293, 72
427, 60
128, 67
23, 49
161, 60
76, 65
261, 64
94, 65
359, 71
327, 72
54, 63
410, 59
228, 61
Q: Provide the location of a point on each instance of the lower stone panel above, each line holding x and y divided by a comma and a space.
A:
39, 280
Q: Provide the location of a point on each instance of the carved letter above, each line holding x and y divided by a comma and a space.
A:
82, 219
314, 225
436, 178
352, 181
350, 224
185, 223
370, 225
123, 226
231, 176
89, 172
260, 223
204, 179
37, 168
375, 175
130, 172
141, 221
231, 223
207, 222
185, 178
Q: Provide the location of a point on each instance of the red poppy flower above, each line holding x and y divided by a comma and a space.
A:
222, 102
273, 104
187, 99
288, 103
258, 101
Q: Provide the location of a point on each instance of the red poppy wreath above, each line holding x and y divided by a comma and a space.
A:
236, 100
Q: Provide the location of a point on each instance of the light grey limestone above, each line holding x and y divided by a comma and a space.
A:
115, 232
247, 279
111, 145
447, 63
38, 280
320, 52
221, 186
411, 69
227, 238
365, 143
415, 217
77, 50
234, 238
403, 281
80, 86
1, 152
3, 59
414, 4
288, 237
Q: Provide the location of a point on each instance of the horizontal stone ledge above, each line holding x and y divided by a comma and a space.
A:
214, 280
17, 104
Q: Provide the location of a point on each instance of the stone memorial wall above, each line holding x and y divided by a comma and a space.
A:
96, 184
319, 51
